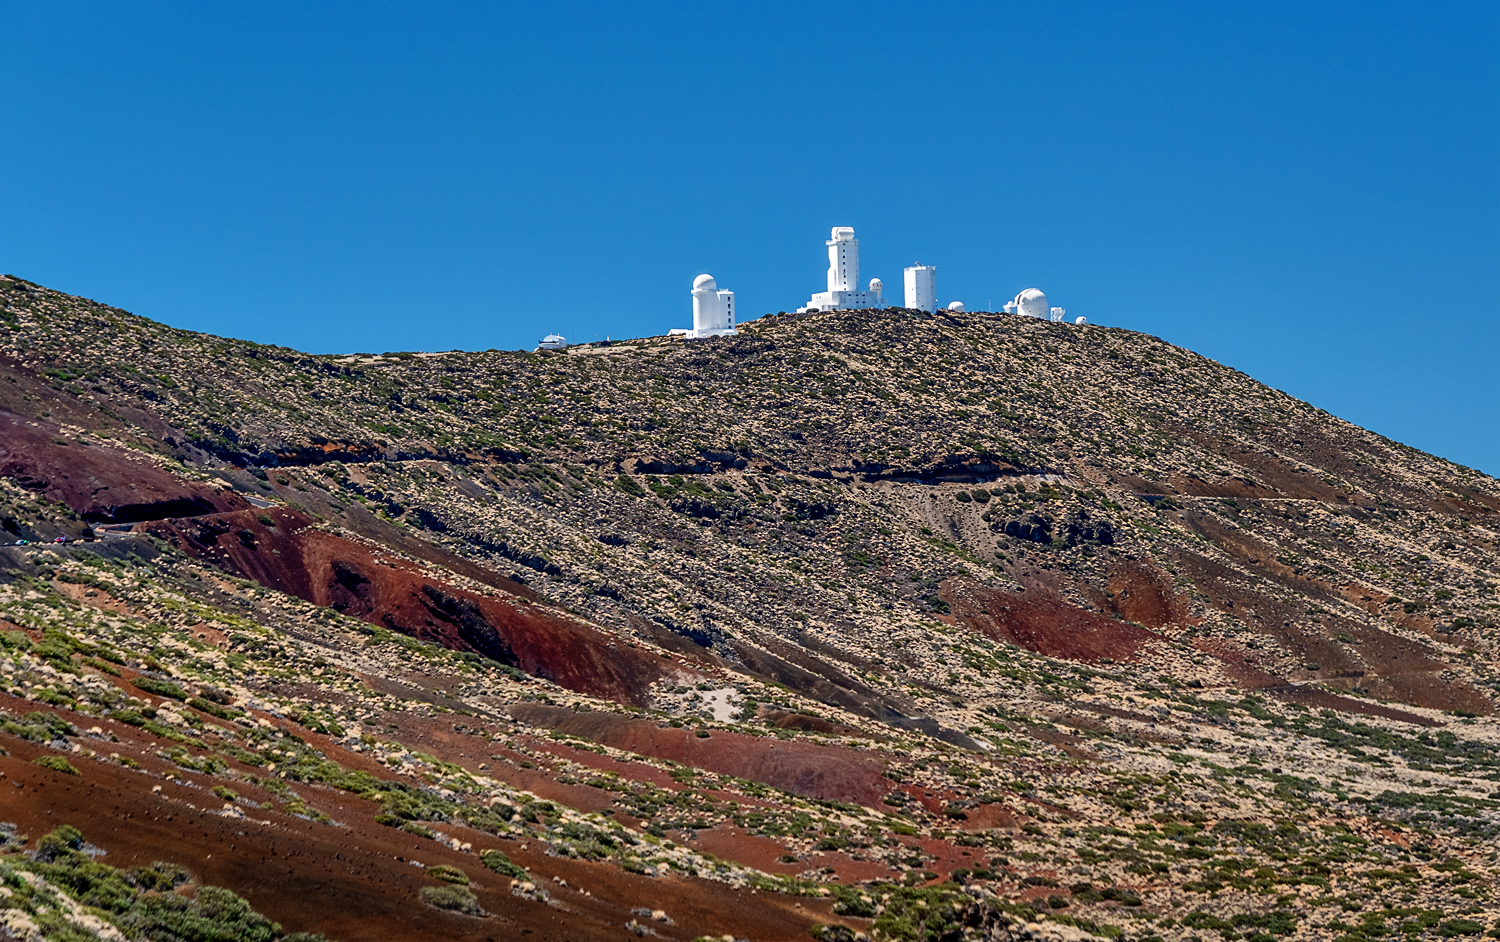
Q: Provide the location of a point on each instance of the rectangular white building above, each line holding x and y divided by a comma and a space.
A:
726, 304
921, 287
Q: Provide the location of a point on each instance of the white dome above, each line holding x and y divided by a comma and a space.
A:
705, 281
1032, 303
1081, 321
876, 283
956, 306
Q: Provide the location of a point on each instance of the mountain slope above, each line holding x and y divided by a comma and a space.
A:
1077, 608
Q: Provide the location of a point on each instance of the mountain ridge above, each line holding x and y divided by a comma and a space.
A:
857, 530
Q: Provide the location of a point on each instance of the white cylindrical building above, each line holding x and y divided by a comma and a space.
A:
921, 287
877, 292
843, 260
708, 307
1032, 303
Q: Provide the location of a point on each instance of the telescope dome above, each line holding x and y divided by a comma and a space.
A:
706, 282
1032, 303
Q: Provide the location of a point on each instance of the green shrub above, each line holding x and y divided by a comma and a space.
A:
627, 484
140, 901
212, 709
162, 688
501, 864
448, 874
129, 717
57, 648
40, 727
58, 843
458, 899
56, 764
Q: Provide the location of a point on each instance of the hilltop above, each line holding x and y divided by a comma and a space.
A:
906, 623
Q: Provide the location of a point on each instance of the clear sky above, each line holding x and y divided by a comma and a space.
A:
1309, 192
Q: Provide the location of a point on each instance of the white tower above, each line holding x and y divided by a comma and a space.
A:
843, 260
713, 310
877, 292
726, 304
843, 292
1032, 303
1058, 313
921, 287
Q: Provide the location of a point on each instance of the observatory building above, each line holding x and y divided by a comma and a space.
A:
713, 311
1030, 303
921, 287
1033, 303
843, 292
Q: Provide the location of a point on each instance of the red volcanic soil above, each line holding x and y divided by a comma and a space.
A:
1042, 622
291, 555
355, 880
809, 769
731, 843
1048, 625
1313, 697
1368, 660
1141, 594
101, 483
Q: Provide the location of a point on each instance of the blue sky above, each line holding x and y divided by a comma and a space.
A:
1309, 192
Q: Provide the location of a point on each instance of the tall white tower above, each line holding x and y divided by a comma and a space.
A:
844, 292
713, 309
921, 287
843, 260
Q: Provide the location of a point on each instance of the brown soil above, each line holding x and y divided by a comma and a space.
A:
809, 769
353, 881
1043, 622
1142, 594
327, 569
99, 482
1334, 649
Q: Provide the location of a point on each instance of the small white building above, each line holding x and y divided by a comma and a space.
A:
956, 306
553, 342
713, 311
843, 292
1058, 313
921, 287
